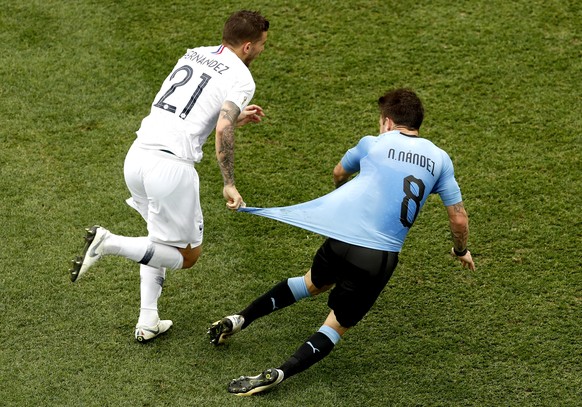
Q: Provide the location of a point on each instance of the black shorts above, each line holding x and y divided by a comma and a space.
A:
359, 274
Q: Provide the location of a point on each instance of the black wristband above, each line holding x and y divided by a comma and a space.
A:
461, 253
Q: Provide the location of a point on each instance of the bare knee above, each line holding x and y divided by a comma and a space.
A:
333, 323
190, 255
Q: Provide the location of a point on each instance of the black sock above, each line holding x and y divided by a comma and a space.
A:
278, 297
312, 351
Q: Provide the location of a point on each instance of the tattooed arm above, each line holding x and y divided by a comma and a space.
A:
225, 126
459, 224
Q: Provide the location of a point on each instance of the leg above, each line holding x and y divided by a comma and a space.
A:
314, 349
360, 276
190, 256
100, 242
149, 324
151, 285
152, 280
283, 294
165, 193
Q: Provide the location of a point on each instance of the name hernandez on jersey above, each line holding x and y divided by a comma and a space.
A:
186, 108
201, 59
377, 208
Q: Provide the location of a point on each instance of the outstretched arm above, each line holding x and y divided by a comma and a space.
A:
459, 224
224, 145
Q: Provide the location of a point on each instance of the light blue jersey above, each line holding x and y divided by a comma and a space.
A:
377, 208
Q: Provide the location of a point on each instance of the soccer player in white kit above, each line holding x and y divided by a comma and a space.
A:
209, 88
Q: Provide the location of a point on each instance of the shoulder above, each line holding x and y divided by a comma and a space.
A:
435, 147
445, 156
431, 146
368, 141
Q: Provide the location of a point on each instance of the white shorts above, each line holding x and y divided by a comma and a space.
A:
165, 190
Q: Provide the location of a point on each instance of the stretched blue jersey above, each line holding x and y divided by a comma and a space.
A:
377, 208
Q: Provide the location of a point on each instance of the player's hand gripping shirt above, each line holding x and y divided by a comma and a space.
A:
377, 208
186, 109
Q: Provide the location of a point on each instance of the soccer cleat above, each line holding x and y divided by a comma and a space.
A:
247, 385
145, 333
227, 326
92, 251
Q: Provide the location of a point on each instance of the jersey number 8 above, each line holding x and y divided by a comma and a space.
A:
411, 195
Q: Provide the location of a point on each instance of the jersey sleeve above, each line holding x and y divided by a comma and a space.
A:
242, 93
447, 186
351, 159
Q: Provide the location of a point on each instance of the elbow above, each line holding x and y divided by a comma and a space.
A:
338, 181
336, 178
340, 175
338, 170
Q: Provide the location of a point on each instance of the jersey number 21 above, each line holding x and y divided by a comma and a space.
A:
162, 104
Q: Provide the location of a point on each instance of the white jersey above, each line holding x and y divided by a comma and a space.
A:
186, 109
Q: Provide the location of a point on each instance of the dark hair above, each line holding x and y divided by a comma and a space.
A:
403, 107
244, 26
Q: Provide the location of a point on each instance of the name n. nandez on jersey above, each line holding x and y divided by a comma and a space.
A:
204, 60
413, 158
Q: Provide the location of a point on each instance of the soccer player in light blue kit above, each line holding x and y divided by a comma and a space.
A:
366, 221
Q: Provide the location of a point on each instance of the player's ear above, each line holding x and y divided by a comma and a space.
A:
385, 124
247, 47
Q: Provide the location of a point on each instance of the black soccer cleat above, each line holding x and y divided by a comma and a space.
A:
247, 385
227, 326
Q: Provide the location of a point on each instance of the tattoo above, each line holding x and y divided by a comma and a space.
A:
460, 238
229, 112
459, 207
227, 155
460, 233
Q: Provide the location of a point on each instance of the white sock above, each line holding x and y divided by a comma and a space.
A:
151, 284
163, 256
144, 251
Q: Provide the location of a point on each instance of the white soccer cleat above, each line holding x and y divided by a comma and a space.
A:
92, 251
227, 326
145, 333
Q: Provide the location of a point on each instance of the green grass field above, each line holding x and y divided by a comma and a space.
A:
501, 86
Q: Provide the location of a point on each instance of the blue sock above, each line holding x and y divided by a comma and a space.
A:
298, 287
331, 333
